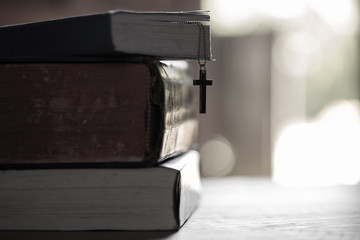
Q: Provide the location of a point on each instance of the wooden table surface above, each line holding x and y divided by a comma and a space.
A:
250, 208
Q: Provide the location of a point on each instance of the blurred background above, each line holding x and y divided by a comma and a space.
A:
285, 97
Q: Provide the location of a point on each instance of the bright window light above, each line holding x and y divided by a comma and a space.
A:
232, 17
324, 152
340, 15
282, 9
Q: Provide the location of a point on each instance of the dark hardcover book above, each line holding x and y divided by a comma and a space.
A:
55, 114
155, 198
170, 35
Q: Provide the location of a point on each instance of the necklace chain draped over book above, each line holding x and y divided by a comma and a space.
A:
202, 81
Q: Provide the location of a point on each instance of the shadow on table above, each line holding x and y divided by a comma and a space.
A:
86, 235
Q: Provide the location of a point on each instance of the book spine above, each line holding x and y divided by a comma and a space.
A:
172, 98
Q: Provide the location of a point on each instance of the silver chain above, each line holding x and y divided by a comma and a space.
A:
202, 34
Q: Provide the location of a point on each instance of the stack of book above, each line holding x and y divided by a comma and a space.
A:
96, 133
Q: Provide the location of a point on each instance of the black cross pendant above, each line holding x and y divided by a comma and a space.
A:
202, 82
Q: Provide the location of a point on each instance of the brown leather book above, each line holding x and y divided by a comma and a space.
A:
98, 114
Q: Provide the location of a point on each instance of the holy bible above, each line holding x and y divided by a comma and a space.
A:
98, 114
166, 35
